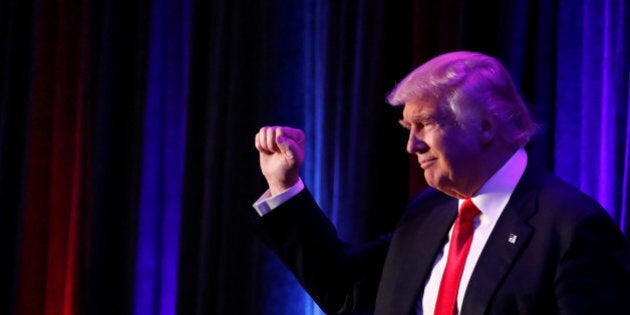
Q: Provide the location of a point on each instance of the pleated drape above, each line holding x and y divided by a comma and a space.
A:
53, 225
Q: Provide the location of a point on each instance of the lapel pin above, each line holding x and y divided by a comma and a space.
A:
512, 238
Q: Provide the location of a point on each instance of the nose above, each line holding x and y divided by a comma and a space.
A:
415, 144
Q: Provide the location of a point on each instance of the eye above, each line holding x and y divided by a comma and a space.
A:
419, 124
429, 124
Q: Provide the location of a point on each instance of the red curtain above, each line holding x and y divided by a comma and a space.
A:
53, 244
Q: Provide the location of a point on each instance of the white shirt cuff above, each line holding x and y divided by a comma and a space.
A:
266, 202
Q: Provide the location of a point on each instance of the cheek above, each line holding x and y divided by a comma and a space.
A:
452, 154
445, 170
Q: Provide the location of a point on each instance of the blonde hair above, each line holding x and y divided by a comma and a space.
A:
467, 83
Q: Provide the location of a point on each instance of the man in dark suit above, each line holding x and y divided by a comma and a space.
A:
522, 241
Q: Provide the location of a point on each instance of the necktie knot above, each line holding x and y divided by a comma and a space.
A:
467, 212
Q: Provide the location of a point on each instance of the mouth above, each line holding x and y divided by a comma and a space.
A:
426, 163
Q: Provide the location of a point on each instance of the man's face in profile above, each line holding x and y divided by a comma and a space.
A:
446, 151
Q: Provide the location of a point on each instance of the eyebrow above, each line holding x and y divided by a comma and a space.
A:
404, 124
417, 118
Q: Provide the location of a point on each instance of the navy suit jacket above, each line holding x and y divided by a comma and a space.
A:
554, 250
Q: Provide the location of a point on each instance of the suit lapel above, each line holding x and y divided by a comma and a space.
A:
508, 239
413, 249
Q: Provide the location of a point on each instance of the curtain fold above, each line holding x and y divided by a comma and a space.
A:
53, 224
591, 104
16, 49
162, 167
217, 267
625, 187
118, 70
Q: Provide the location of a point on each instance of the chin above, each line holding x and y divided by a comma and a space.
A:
433, 182
444, 185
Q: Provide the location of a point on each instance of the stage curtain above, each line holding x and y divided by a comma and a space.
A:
16, 47
74, 76
57, 173
163, 158
592, 122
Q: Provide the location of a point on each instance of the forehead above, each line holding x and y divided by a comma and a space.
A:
420, 109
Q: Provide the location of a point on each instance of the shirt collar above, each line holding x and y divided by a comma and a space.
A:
494, 195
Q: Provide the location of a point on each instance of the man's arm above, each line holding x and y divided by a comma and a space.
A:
339, 277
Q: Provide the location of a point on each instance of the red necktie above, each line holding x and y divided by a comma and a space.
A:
458, 250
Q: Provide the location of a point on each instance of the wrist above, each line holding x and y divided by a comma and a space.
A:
276, 187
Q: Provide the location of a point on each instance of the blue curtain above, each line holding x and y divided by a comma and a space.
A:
163, 158
592, 122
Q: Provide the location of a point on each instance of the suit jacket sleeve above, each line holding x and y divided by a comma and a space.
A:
340, 278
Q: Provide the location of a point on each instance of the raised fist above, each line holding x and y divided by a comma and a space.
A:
281, 156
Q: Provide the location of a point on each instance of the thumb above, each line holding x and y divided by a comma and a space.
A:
285, 145
290, 143
291, 149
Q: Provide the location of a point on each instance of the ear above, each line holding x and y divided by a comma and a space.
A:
489, 128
